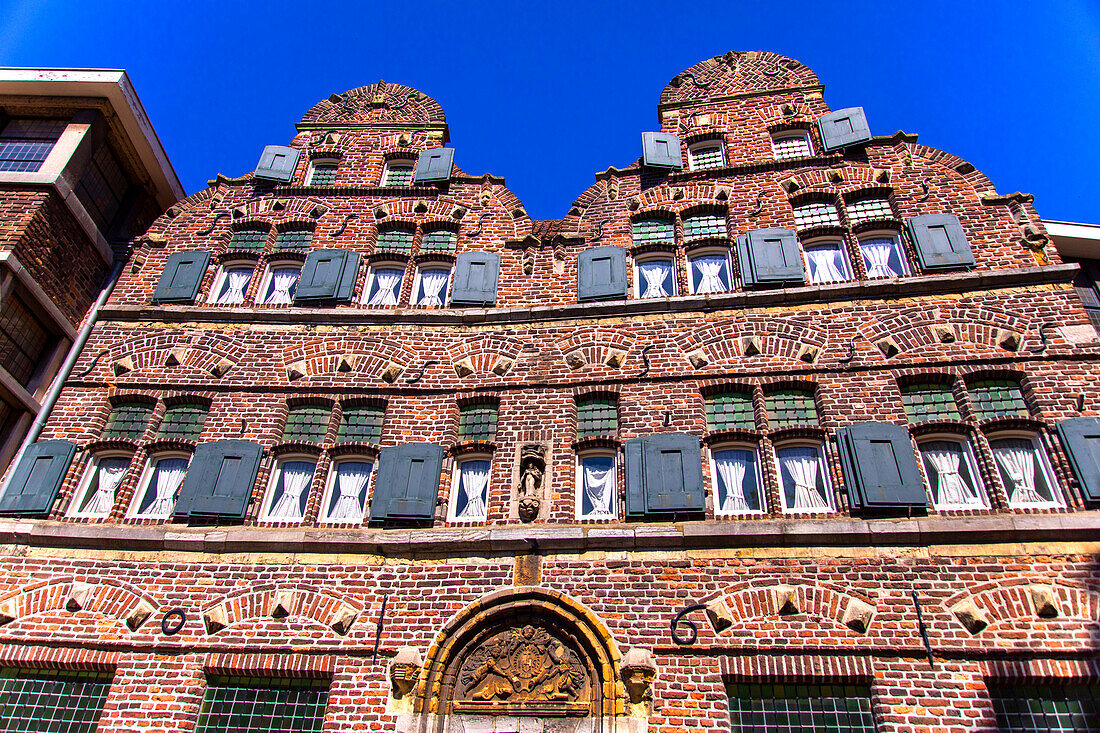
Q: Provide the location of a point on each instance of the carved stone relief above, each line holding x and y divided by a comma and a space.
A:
529, 485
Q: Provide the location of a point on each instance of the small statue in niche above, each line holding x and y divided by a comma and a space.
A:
532, 468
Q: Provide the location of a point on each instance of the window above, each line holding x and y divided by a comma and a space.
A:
929, 401
262, 705
398, 241
280, 282
306, 424
231, 284
737, 483
730, 411
703, 226
792, 145
127, 420
803, 478
952, 473
597, 485
883, 255
869, 209
997, 398
24, 339
1053, 706
253, 240
346, 492
1025, 471
597, 416
816, 215
361, 424
160, 482
431, 285
384, 284
95, 497
654, 277
289, 490
651, 231
182, 422
470, 493
322, 172
789, 407
439, 240
398, 172
1086, 285
798, 708
710, 272
706, 156
477, 422
102, 187
52, 700
826, 263
294, 239
25, 144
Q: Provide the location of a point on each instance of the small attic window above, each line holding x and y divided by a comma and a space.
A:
815, 215
706, 155
398, 172
322, 172
791, 145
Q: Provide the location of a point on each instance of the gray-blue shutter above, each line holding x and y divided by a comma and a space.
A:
407, 483
37, 478
277, 163
322, 274
434, 165
661, 150
940, 242
673, 474
633, 454
601, 273
770, 257
1081, 438
182, 275
475, 281
843, 128
880, 468
219, 480
346, 287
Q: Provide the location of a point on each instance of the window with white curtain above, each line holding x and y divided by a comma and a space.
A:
1025, 471
470, 490
95, 496
383, 284
736, 474
346, 491
803, 478
709, 272
597, 485
792, 145
825, 262
431, 286
289, 490
883, 255
952, 474
231, 283
654, 277
156, 494
280, 281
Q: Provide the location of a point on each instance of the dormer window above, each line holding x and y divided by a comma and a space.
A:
792, 145
398, 172
706, 155
322, 172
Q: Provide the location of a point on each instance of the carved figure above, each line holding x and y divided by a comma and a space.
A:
531, 472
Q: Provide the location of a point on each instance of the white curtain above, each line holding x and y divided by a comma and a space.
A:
474, 477
802, 464
296, 477
828, 267
731, 470
386, 283
710, 271
878, 259
167, 478
654, 274
109, 473
599, 486
351, 479
432, 283
282, 285
1017, 458
946, 459
236, 282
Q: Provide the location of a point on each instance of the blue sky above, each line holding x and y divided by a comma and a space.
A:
547, 94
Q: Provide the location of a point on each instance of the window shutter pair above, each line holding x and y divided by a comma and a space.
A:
940, 242
37, 478
601, 274
327, 274
407, 483
219, 480
182, 275
880, 467
664, 475
843, 128
1081, 439
277, 163
475, 281
661, 150
434, 165
770, 257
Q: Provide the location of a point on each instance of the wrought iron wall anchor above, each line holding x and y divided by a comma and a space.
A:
694, 80
378, 627
423, 370
1043, 337
759, 203
599, 233
172, 627
693, 630
645, 360
221, 215
95, 360
847, 359
921, 626
480, 220
343, 225
926, 189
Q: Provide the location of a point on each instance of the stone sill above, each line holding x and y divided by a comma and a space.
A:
839, 532
904, 287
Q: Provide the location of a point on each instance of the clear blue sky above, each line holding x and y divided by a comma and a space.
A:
546, 94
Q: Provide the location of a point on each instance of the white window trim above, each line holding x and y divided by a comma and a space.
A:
751, 448
653, 257
330, 488
578, 484
398, 162
81, 493
787, 134
1044, 466
273, 480
823, 467
222, 274
885, 234
710, 252
269, 272
446, 294
971, 464
456, 473
695, 149
316, 162
144, 484
383, 265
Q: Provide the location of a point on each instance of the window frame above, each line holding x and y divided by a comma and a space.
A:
722, 220
312, 169
432, 266
369, 284
324, 516
701, 252
762, 494
267, 283
1044, 466
456, 487
970, 461
144, 485
643, 259
804, 135
270, 500
816, 243
388, 170
578, 484
899, 248
695, 150
804, 226
823, 469
222, 277
91, 471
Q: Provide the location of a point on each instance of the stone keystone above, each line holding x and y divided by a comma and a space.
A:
175, 357
282, 604
969, 615
1008, 340
638, 671
575, 359
1042, 597
392, 372
222, 367
502, 366
808, 353
346, 364
751, 346
342, 619
405, 671
295, 371
79, 596
464, 367
785, 599
888, 347
215, 619
615, 358
698, 359
945, 334
719, 615
858, 615
121, 366
8, 611
139, 615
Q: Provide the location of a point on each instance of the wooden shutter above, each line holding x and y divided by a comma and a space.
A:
434, 165
770, 257
843, 128
475, 281
633, 453
673, 474
346, 287
37, 478
1081, 439
277, 163
880, 467
940, 242
661, 150
322, 274
407, 483
219, 480
601, 273
182, 275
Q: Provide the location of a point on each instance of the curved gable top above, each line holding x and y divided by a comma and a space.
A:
382, 103
737, 72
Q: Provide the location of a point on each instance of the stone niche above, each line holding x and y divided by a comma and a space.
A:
531, 477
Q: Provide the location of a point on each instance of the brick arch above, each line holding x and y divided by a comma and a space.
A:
363, 355
978, 181
257, 604
484, 353
757, 601
279, 209
722, 342
914, 329
854, 177
593, 345
681, 197
381, 102
775, 116
1007, 602
109, 598
737, 72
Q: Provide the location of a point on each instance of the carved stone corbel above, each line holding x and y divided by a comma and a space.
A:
638, 672
405, 671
